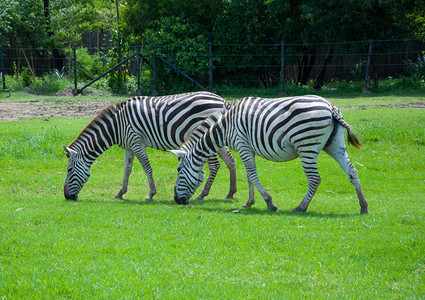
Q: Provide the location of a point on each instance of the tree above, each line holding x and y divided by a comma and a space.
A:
354, 20
8, 14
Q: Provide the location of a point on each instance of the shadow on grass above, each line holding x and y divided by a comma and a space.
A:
128, 201
205, 206
253, 211
208, 206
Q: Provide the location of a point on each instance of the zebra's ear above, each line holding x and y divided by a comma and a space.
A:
69, 152
178, 153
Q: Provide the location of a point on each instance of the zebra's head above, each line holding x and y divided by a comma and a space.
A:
188, 178
77, 175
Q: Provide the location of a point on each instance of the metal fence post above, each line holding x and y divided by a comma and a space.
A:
75, 91
138, 90
154, 92
211, 66
282, 90
2, 70
366, 85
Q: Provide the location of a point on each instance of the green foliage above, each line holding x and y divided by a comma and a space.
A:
46, 85
8, 14
192, 24
50, 84
26, 77
179, 43
90, 65
357, 72
259, 22
352, 20
98, 247
70, 19
22, 24
416, 69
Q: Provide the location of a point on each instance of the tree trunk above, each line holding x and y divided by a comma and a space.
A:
305, 66
320, 78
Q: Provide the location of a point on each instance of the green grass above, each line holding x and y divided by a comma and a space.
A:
99, 247
389, 89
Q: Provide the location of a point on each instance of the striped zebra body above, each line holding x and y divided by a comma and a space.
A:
278, 130
161, 123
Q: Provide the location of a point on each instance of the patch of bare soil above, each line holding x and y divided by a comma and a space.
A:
77, 108
45, 109
420, 104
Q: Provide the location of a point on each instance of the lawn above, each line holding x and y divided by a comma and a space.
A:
100, 247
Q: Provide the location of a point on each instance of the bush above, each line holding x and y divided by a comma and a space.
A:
49, 84
417, 69
26, 77
46, 85
89, 66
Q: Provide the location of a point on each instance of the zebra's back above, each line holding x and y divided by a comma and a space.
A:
279, 129
164, 123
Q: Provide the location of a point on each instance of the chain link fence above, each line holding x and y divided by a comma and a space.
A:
163, 69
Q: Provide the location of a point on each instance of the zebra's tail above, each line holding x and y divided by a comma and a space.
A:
352, 138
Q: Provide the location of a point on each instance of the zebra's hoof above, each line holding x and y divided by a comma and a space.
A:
272, 207
118, 196
298, 209
364, 211
249, 203
229, 196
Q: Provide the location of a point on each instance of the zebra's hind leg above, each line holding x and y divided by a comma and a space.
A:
128, 166
142, 156
336, 149
213, 165
230, 162
313, 178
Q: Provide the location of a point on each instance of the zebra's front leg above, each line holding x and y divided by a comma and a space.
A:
230, 162
142, 156
128, 166
248, 159
251, 197
314, 180
213, 165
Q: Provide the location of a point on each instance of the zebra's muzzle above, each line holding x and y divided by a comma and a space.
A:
73, 197
180, 200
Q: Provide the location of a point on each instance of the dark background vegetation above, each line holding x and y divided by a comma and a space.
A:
245, 34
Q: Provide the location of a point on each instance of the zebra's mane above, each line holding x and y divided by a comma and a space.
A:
229, 104
201, 128
102, 115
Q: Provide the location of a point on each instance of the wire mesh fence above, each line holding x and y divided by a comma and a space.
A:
162, 69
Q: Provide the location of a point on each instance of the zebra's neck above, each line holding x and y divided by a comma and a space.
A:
210, 142
100, 134
199, 131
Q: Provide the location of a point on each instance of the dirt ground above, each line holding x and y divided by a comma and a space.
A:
76, 108
17, 110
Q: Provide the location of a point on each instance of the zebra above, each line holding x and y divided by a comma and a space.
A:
161, 123
278, 130
199, 131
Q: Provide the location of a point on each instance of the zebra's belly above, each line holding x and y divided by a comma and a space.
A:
278, 154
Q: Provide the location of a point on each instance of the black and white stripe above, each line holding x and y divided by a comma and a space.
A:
278, 130
162, 123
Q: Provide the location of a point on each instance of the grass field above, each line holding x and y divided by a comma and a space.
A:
99, 247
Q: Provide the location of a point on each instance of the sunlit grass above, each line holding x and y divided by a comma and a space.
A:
99, 247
